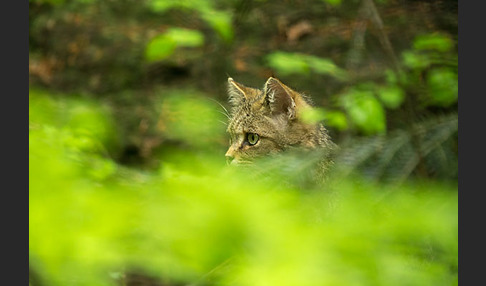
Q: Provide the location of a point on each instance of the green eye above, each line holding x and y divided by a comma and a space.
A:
252, 138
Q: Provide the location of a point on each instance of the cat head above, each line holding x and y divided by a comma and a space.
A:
266, 121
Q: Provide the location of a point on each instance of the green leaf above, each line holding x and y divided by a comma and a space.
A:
312, 115
365, 111
391, 96
438, 42
416, 60
336, 119
333, 2
297, 63
163, 46
164, 5
221, 22
159, 48
185, 37
288, 63
443, 86
325, 66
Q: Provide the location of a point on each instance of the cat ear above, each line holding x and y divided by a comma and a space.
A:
237, 92
279, 98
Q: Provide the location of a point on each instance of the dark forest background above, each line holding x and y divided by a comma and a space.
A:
384, 72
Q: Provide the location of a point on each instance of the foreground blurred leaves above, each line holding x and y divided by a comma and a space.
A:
92, 220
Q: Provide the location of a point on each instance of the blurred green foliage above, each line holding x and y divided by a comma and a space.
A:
333, 2
438, 42
295, 63
164, 45
336, 119
219, 20
391, 96
443, 86
365, 103
91, 220
190, 117
434, 57
127, 139
365, 111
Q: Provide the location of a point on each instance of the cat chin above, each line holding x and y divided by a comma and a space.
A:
237, 162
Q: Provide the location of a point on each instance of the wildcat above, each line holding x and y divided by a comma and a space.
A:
270, 120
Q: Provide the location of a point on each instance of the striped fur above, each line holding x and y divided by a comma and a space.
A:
274, 114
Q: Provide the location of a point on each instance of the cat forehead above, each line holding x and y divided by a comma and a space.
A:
254, 93
250, 107
239, 120
245, 120
253, 102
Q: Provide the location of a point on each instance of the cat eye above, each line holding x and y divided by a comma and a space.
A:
252, 138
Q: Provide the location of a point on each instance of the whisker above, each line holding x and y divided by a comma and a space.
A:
227, 116
244, 162
224, 108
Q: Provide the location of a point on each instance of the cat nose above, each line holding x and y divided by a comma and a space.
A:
229, 159
229, 156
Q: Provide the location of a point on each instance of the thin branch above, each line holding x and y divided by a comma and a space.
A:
356, 51
378, 22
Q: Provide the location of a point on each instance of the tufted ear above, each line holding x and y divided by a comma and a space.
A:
279, 98
238, 93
